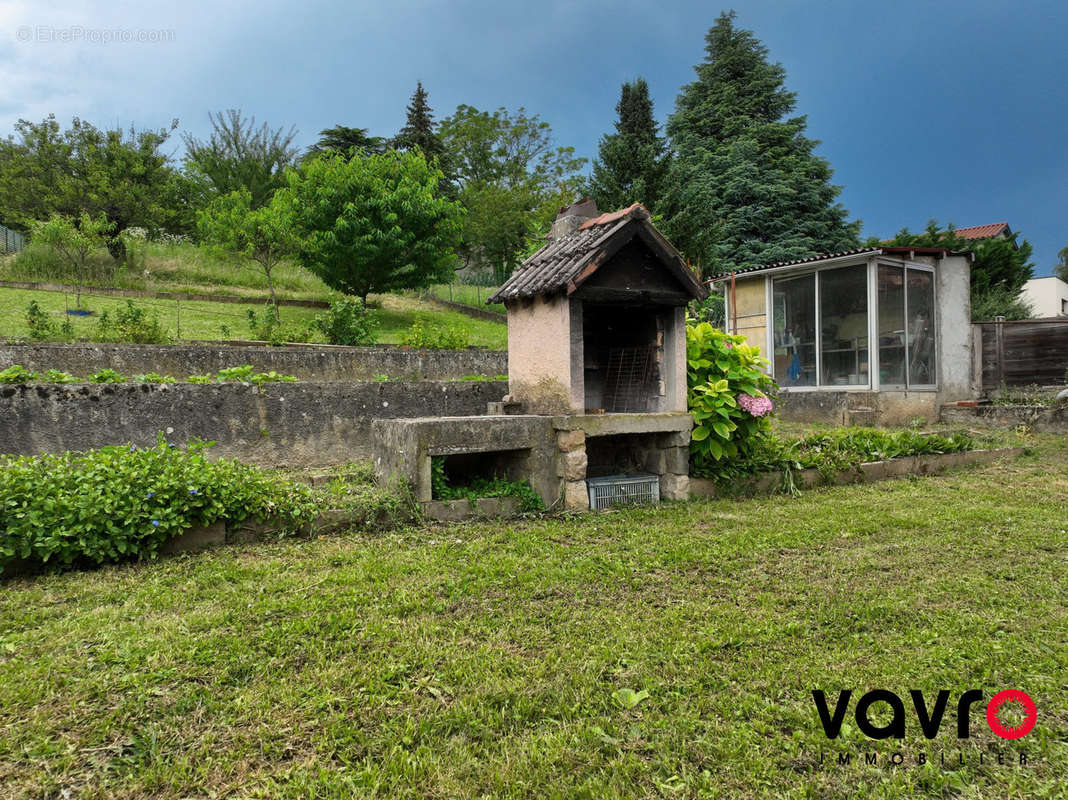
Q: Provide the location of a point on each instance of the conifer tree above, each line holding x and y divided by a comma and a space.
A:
631, 162
419, 129
745, 186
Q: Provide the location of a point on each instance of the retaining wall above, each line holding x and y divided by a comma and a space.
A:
1042, 419
303, 424
307, 362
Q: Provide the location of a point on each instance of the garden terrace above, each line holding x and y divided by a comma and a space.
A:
637, 653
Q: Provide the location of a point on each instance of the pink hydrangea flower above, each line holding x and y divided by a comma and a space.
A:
756, 406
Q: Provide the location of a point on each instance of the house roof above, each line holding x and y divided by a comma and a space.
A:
566, 263
938, 252
984, 231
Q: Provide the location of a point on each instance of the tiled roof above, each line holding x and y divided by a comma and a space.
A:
983, 231
568, 261
863, 251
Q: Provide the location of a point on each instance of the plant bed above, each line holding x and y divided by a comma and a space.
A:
769, 483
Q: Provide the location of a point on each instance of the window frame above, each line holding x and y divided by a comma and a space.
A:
871, 266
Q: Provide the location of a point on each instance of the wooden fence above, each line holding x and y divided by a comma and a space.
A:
1024, 353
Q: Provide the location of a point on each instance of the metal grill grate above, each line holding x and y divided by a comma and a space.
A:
629, 378
619, 490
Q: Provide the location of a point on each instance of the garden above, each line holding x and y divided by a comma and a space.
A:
667, 652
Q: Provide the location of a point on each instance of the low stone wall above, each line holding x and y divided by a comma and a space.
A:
1041, 419
307, 362
835, 407
283, 424
772, 482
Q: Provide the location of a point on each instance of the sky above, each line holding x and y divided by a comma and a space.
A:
943, 109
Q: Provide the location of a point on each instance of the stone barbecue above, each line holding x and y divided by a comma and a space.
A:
596, 370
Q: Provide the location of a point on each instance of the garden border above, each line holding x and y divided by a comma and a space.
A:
769, 483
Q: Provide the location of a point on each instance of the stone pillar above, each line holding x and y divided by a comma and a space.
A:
571, 467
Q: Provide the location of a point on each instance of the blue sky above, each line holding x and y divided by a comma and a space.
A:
952, 110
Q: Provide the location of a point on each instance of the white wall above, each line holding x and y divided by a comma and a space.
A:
1048, 297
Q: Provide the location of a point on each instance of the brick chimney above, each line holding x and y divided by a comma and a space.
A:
570, 218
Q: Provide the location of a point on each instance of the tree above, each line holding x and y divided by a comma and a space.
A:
1000, 268
418, 131
510, 178
75, 241
120, 174
341, 140
263, 236
631, 162
373, 224
745, 186
238, 155
1061, 268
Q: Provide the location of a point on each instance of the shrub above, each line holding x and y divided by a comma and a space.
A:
74, 242
427, 335
154, 377
55, 376
17, 373
107, 376
40, 325
728, 397
132, 325
244, 374
266, 327
348, 322
120, 503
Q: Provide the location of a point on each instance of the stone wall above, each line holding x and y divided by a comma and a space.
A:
283, 424
307, 362
857, 407
1041, 419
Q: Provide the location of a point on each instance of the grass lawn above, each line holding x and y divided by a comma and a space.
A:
205, 320
468, 295
492, 659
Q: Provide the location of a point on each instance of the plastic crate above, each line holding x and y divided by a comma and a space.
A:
620, 490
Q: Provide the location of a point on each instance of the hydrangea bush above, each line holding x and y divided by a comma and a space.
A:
728, 394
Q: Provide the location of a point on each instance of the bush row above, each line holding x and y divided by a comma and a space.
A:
124, 502
16, 374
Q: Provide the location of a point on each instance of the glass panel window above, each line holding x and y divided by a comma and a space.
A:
921, 329
844, 326
795, 331
891, 325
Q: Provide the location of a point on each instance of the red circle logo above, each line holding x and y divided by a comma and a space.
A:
1011, 696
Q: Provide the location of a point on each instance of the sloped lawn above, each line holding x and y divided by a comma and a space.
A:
513, 659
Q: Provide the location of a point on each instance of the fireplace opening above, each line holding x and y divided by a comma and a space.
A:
471, 469
620, 454
622, 356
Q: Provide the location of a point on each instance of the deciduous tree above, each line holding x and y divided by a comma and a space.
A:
510, 178
238, 155
121, 174
260, 236
373, 224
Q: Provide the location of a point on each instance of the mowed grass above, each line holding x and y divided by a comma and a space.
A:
187, 320
468, 295
485, 660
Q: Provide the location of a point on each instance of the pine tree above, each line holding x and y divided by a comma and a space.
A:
419, 130
745, 186
631, 162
